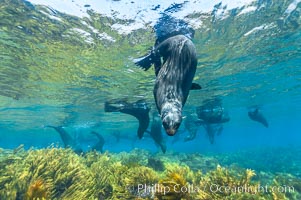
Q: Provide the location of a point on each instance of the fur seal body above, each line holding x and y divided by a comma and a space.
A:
69, 142
156, 133
101, 141
139, 110
175, 75
192, 125
212, 115
212, 130
256, 115
174, 79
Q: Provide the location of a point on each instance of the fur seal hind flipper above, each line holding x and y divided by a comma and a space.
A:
195, 86
145, 62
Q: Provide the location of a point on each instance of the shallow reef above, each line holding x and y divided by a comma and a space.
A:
57, 173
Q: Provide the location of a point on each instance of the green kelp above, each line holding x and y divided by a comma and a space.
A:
176, 181
46, 174
234, 183
56, 173
291, 183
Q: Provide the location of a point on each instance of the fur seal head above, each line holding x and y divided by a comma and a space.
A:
171, 115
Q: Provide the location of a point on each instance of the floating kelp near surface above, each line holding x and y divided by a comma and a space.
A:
56, 173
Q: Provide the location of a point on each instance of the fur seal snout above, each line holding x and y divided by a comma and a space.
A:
171, 115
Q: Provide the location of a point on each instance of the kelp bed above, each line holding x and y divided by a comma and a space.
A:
57, 173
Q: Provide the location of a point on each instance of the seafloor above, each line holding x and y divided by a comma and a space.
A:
56, 173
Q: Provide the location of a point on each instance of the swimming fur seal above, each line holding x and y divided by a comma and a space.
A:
69, 142
192, 125
101, 141
212, 115
256, 115
138, 109
156, 132
212, 130
173, 77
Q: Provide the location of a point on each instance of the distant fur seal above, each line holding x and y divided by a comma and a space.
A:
256, 115
156, 133
212, 115
192, 125
212, 130
138, 109
101, 141
69, 142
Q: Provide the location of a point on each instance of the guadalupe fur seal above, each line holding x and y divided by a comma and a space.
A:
101, 141
138, 109
256, 115
173, 77
69, 142
212, 115
192, 125
156, 132
212, 130
174, 80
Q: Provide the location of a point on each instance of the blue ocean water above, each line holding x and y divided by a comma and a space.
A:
60, 61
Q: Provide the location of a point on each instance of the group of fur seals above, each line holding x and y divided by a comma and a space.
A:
174, 76
70, 142
139, 110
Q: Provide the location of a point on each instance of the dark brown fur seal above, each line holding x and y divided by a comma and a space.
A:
174, 76
174, 79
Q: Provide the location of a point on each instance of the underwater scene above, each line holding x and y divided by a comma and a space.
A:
163, 100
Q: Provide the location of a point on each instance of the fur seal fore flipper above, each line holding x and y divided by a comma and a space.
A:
147, 61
